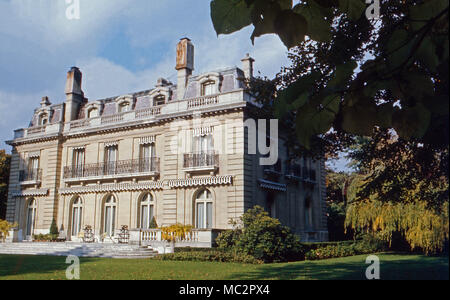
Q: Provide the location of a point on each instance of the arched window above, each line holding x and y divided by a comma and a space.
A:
110, 215
204, 210
31, 217
308, 214
147, 211
209, 88
93, 113
77, 213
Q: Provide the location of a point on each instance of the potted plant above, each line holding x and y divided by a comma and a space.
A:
174, 233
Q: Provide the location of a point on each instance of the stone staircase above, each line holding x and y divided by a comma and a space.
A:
78, 249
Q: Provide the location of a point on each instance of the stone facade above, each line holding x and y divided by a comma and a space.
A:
177, 152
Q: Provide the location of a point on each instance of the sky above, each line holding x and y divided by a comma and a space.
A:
120, 47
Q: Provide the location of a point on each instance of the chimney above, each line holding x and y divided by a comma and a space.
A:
74, 94
247, 66
185, 65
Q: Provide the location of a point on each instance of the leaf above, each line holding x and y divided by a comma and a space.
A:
398, 48
420, 14
319, 28
311, 122
291, 28
353, 8
412, 122
427, 54
342, 74
229, 16
316, 118
384, 115
292, 97
360, 118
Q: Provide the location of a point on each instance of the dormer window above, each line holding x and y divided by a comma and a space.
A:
159, 100
93, 113
43, 120
209, 88
124, 107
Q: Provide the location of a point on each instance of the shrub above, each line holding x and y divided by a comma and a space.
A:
368, 244
228, 239
5, 227
210, 256
263, 238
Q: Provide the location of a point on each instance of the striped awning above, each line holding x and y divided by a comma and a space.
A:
31, 193
203, 131
147, 140
270, 185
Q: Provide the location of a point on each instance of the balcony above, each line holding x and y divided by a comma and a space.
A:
293, 172
273, 171
113, 170
30, 177
204, 161
309, 175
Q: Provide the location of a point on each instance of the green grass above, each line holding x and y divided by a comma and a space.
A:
393, 266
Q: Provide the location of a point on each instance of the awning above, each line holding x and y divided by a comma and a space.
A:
270, 185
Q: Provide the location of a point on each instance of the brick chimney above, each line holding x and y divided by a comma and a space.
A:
185, 65
74, 94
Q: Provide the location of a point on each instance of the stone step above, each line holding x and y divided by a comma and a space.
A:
82, 250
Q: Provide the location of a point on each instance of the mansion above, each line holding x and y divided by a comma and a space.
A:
176, 153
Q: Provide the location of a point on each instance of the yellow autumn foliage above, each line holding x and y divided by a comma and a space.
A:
423, 227
175, 232
5, 227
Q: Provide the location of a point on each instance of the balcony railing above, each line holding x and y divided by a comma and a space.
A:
124, 167
293, 171
201, 160
32, 175
275, 169
309, 175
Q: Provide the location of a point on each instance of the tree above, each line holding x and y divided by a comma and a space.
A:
351, 74
5, 161
337, 189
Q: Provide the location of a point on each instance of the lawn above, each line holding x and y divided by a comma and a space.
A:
393, 266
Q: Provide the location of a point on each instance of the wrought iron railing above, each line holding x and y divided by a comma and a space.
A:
201, 160
294, 170
309, 174
273, 169
34, 175
123, 167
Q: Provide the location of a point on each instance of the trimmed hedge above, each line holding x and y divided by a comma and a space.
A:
213, 255
367, 245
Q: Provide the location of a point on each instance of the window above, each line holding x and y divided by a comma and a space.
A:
204, 210
203, 144
159, 100
124, 107
110, 159
147, 211
31, 217
209, 88
43, 120
147, 157
77, 212
93, 113
110, 216
308, 214
78, 162
33, 164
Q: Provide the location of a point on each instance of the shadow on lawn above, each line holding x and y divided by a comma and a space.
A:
413, 268
18, 265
